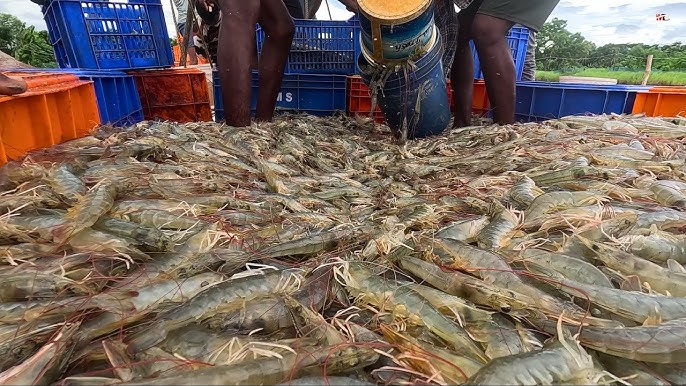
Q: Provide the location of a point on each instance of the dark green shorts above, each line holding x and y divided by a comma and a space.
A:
529, 13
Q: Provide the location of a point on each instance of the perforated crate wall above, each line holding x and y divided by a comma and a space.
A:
108, 35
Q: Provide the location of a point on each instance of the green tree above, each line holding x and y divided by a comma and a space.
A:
559, 49
34, 48
10, 28
25, 43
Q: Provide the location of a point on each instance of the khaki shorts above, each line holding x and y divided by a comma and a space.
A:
529, 13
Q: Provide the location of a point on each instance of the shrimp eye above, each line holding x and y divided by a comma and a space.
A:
505, 308
204, 284
595, 248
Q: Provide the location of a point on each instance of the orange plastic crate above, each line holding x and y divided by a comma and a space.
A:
360, 100
480, 103
177, 94
661, 102
55, 108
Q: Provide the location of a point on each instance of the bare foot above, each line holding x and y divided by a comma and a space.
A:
12, 85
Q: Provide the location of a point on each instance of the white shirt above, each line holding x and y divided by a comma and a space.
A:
181, 10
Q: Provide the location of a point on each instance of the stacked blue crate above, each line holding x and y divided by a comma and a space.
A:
322, 54
537, 101
94, 39
118, 100
108, 35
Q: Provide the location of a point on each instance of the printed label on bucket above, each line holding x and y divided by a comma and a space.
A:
403, 49
396, 42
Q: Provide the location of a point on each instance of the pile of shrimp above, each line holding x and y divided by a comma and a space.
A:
318, 251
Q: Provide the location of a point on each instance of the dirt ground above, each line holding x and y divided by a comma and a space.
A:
7, 61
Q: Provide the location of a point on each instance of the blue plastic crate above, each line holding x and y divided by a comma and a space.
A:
314, 94
518, 39
538, 101
321, 47
116, 93
99, 35
118, 100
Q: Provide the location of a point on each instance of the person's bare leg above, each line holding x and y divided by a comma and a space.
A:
12, 85
278, 35
490, 39
462, 73
234, 54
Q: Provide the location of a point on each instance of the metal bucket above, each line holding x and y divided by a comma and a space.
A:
402, 90
394, 30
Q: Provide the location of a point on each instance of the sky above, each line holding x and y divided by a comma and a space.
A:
600, 21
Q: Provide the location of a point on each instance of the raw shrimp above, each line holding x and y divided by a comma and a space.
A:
668, 196
66, 184
451, 305
272, 370
431, 360
658, 246
459, 284
660, 279
215, 298
563, 361
407, 303
555, 201
122, 307
162, 219
464, 230
87, 210
499, 230
635, 306
570, 267
635, 372
501, 337
524, 191
493, 269
46, 364
307, 245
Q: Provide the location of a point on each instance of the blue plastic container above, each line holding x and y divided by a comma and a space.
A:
518, 39
108, 35
398, 98
538, 101
118, 100
321, 47
398, 34
314, 94
116, 93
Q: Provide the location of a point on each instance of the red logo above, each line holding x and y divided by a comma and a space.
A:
661, 17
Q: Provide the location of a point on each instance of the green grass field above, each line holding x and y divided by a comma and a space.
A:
664, 78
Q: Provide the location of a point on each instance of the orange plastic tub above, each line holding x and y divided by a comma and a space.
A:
480, 103
55, 108
177, 94
661, 102
360, 100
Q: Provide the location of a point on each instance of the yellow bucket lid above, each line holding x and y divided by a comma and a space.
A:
393, 11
